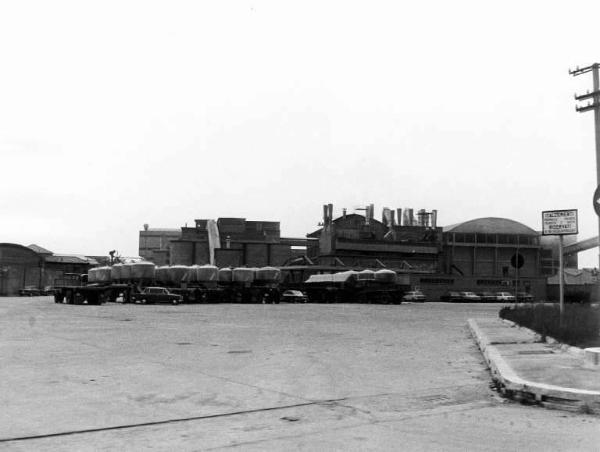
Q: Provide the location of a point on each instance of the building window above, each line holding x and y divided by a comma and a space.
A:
489, 282
436, 281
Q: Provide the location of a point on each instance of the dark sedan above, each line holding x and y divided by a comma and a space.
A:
156, 295
451, 297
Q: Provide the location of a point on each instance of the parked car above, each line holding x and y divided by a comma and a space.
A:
29, 291
414, 296
505, 296
156, 295
469, 297
488, 297
451, 297
524, 297
293, 296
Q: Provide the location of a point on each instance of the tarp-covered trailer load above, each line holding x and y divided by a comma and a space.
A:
331, 287
266, 285
126, 272
201, 285
161, 275
143, 272
366, 286
116, 273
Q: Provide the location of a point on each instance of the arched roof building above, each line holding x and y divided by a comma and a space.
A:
491, 225
489, 246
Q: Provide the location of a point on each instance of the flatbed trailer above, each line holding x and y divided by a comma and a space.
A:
74, 289
91, 294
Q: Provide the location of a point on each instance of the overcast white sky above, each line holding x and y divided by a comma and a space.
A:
118, 113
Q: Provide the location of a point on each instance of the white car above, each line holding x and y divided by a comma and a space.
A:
504, 296
293, 296
416, 296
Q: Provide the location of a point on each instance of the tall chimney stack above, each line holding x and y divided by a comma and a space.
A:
330, 209
325, 211
434, 219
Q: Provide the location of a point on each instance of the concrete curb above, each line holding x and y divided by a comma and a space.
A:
513, 386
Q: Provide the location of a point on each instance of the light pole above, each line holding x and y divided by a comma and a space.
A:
593, 103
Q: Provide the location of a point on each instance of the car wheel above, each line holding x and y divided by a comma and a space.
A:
175, 302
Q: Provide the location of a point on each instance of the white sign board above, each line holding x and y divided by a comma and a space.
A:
559, 222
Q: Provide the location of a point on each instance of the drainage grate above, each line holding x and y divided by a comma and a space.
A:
536, 352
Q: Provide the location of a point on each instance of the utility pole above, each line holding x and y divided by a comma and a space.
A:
593, 103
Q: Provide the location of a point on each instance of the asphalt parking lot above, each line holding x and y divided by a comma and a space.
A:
254, 376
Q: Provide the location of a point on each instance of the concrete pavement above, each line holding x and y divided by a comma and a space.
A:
260, 377
531, 370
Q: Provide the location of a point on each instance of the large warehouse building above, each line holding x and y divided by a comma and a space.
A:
36, 267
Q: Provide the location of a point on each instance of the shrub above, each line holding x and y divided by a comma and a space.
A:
581, 323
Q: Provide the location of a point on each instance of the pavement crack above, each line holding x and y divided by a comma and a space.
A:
168, 421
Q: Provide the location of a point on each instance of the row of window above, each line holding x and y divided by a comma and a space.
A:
508, 239
479, 282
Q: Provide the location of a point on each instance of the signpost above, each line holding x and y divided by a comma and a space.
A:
596, 201
560, 222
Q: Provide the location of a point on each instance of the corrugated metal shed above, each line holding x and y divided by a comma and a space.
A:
38, 249
71, 259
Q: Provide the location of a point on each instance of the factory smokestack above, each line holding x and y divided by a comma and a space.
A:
422, 218
386, 217
434, 219
408, 219
399, 216
325, 211
330, 208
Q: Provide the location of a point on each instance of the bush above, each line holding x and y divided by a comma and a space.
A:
581, 323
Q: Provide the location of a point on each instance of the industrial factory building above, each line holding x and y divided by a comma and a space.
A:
359, 241
225, 242
484, 254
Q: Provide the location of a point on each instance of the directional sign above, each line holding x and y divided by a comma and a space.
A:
517, 260
559, 222
597, 201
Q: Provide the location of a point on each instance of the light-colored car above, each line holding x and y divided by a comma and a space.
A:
504, 296
469, 296
414, 296
293, 296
